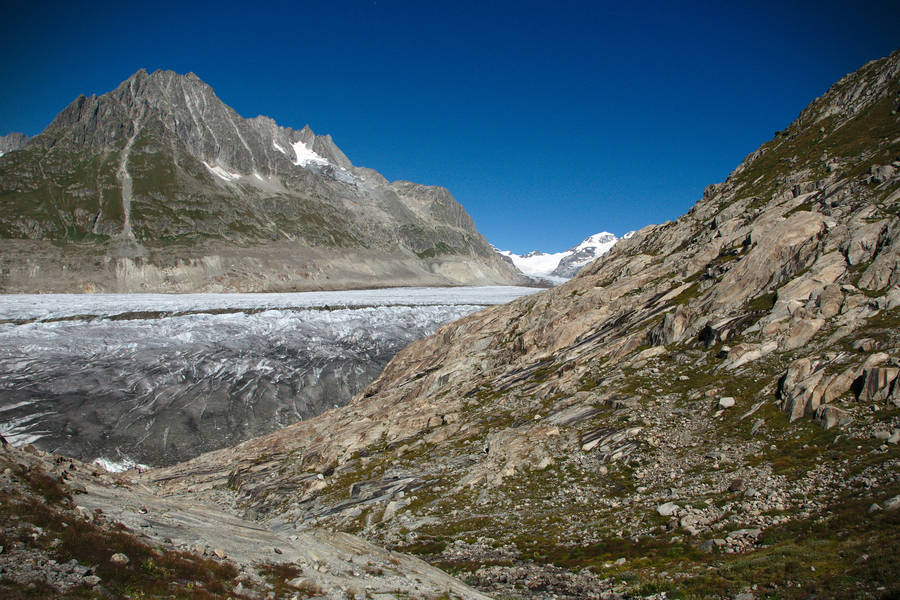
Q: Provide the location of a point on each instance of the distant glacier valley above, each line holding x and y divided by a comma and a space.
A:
155, 379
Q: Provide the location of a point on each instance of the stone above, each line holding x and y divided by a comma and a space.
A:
895, 437
220, 553
743, 533
91, 580
671, 329
882, 435
828, 416
726, 402
892, 503
877, 384
298, 582
737, 485
874, 507
864, 345
119, 559
668, 509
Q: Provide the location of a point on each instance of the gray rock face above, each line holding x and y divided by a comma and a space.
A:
160, 171
13, 141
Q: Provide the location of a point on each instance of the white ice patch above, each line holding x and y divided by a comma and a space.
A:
112, 466
2, 153
279, 147
222, 173
306, 156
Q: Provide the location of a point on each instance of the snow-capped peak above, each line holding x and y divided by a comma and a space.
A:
557, 267
597, 240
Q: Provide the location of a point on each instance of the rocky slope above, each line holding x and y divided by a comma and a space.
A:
68, 530
711, 408
159, 186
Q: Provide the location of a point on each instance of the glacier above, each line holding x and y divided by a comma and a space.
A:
154, 379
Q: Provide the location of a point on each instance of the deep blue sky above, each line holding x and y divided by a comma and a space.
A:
548, 121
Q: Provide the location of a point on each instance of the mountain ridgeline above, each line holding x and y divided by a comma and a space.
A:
160, 186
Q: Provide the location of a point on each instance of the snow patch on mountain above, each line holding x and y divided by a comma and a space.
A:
221, 173
306, 156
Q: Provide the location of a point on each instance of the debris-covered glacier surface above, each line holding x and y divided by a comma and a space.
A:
159, 378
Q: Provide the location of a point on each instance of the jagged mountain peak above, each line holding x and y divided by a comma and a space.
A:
161, 159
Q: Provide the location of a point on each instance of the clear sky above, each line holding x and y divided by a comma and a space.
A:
548, 121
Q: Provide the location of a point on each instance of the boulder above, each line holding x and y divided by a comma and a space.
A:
885, 267
801, 331
830, 301
668, 509
119, 559
670, 330
863, 240
878, 384
829, 416
805, 386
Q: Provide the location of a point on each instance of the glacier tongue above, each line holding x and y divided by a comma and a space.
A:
129, 386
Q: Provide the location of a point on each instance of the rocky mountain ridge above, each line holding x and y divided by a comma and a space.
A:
160, 186
692, 400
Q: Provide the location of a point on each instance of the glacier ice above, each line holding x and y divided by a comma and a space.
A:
157, 378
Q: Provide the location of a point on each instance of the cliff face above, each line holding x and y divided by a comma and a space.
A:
158, 185
703, 391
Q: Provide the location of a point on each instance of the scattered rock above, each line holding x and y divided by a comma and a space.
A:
726, 402
119, 559
738, 485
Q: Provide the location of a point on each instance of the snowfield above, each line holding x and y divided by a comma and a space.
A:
156, 378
